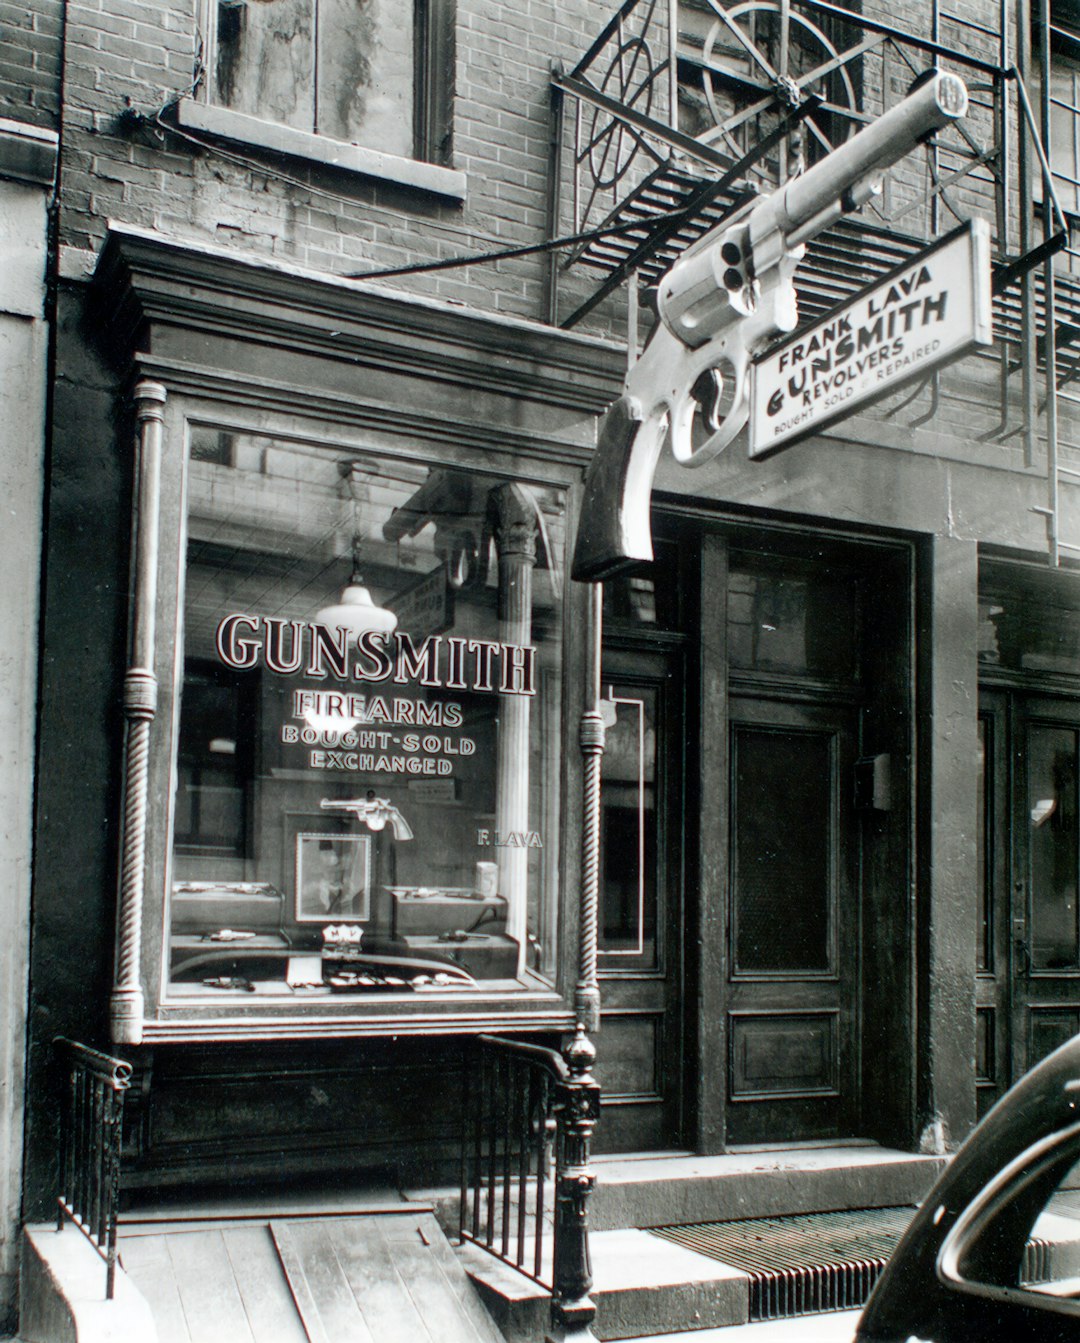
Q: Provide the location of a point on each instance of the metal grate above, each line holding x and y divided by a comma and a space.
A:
801, 1265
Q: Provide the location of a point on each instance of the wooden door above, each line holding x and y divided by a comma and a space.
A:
1044, 917
1028, 930
792, 916
640, 1063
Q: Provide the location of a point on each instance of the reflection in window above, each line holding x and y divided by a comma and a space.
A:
1052, 813
1029, 621
648, 596
628, 825
792, 623
215, 762
366, 788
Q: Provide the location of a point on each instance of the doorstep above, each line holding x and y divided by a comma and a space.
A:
645, 1191
642, 1286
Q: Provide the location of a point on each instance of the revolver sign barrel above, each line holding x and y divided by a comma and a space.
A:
719, 305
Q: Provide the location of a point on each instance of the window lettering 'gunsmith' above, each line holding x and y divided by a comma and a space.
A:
438, 662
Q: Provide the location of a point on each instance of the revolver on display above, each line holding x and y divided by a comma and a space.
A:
721, 302
374, 812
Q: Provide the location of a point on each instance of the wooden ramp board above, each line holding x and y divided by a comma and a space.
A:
380, 1278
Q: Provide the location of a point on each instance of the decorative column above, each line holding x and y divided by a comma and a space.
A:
515, 544
572, 1309
127, 1007
591, 740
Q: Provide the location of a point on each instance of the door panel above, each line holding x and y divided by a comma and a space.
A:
639, 947
792, 922
993, 946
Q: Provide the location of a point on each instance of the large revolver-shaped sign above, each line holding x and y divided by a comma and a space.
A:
724, 299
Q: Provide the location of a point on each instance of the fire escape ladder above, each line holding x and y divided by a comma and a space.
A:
1058, 347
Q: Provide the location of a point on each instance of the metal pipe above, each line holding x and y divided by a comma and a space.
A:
1049, 303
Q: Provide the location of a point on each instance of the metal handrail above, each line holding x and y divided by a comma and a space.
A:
91, 1122
524, 1106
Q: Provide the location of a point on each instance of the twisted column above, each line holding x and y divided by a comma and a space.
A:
127, 1005
591, 741
578, 1107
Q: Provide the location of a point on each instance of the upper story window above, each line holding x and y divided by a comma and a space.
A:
1062, 95
364, 72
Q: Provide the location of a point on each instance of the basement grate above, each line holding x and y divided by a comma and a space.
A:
810, 1263
803, 1264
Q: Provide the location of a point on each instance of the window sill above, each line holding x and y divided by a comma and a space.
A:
229, 125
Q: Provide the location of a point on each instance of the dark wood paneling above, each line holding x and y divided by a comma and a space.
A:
628, 1062
784, 1055
1049, 1027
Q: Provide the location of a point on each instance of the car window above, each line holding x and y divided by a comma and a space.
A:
1020, 1238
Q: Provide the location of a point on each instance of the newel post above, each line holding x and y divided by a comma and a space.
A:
572, 1309
127, 1007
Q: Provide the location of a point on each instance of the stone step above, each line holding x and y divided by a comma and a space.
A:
642, 1286
667, 1190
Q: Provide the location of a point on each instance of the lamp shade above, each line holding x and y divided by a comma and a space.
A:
357, 613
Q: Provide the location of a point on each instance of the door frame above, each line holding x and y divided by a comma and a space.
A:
883, 1108
657, 993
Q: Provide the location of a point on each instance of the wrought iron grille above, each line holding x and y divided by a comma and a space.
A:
802, 1264
753, 91
90, 1138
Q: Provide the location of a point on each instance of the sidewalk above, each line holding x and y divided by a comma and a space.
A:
835, 1328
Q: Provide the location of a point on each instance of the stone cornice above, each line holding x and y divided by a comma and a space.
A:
27, 153
370, 415
146, 282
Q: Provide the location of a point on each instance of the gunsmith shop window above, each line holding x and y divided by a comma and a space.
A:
366, 794
366, 72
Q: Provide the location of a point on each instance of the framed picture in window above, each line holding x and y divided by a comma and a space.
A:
333, 877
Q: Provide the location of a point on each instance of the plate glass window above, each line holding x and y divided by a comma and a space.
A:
367, 760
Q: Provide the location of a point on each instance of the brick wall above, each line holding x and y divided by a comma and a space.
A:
30, 37
127, 58
127, 61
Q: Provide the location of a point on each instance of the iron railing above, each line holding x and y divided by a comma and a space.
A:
529, 1114
90, 1138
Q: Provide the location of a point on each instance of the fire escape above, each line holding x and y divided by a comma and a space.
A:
681, 109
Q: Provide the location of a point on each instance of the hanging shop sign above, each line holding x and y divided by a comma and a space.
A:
926, 313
